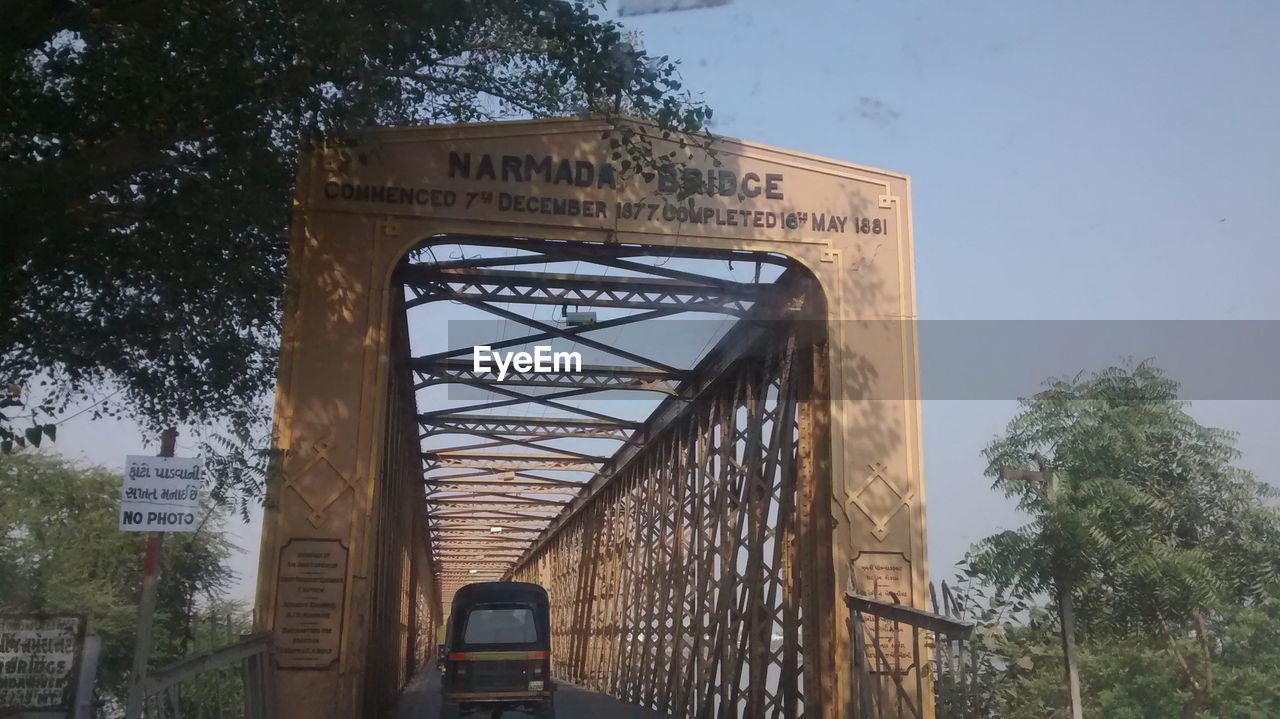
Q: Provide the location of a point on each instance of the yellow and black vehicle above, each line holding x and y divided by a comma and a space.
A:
498, 651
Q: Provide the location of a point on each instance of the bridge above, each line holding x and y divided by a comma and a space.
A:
737, 447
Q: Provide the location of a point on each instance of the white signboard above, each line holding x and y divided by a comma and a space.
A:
160, 494
39, 660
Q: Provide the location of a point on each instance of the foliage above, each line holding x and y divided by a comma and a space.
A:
18, 404
214, 693
1153, 520
1013, 637
147, 153
1160, 536
61, 551
1130, 677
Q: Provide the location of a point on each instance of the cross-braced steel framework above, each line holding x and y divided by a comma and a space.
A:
676, 561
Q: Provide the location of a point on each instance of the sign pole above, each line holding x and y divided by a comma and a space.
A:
1062, 587
88, 677
147, 607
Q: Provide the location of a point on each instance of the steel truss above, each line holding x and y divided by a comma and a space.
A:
676, 562
500, 480
677, 585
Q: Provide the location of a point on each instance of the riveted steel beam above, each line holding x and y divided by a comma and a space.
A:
549, 288
604, 377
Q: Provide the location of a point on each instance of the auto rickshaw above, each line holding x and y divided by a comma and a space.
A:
498, 652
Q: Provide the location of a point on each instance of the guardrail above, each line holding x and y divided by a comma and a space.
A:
224, 683
907, 662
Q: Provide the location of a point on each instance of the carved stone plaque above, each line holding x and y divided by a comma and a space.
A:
309, 602
885, 576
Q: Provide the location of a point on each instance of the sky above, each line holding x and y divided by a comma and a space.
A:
1069, 161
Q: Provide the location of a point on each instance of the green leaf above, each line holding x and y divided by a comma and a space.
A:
33, 436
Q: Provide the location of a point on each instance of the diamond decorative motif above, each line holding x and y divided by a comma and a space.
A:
878, 499
312, 476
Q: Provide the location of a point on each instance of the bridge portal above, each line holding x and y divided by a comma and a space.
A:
697, 547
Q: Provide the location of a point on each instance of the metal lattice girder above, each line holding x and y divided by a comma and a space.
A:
444, 531
452, 581
485, 546
452, 518
512, 286
435, 488
502, 477
611, 255
677, 583
481, 524
503, 498
510, 462
460, 550
543, 427
678, 557
546, 332
483, 504
499, 442
603, 377
506, 501
517, 398
464, 535
479, 528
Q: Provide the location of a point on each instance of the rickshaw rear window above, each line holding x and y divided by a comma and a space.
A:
500, 625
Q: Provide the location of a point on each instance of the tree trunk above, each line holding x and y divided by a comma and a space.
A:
1071, 661
1200, 696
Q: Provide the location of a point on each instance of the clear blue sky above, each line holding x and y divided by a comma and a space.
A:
1086, 160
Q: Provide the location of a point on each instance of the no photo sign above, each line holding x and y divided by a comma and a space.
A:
160, 494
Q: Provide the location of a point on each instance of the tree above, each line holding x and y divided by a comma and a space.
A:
61, 551
148, 151
1124, 677
1157, 532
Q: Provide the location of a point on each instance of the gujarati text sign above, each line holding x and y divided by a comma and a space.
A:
39, 662
160, 494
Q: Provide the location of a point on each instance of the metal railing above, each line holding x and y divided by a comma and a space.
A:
908, 663
230, 682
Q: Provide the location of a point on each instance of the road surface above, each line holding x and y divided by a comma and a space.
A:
421, 700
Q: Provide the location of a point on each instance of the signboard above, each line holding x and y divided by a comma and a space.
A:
885, 576
160, 494
39, 663
308, 623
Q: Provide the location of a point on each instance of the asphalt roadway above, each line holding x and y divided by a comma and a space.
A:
421, 700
